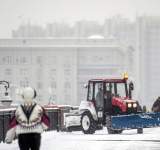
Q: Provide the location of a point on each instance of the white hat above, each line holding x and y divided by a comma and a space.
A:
28, 94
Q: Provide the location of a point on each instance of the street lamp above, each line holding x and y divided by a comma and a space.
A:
5, 99
6, 86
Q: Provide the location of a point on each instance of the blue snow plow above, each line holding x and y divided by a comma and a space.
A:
135, 121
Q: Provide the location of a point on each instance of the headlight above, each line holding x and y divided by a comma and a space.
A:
129, 105
134, 105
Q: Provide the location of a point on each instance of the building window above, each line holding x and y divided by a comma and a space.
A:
82, 59
67, 72
22, 60
67, 85
53, 85
52, 60
7, 60
39, 74
8, 72
39, 85
39, 60
67, 98
52, 74
67, 62
24, 83
23, 71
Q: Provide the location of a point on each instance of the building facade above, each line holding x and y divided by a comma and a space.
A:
58, 68
149, 55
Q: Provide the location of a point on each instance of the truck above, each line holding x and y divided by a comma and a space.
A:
109, 103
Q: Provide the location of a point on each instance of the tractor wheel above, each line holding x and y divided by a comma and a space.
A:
69, 129
88, 123
110, 130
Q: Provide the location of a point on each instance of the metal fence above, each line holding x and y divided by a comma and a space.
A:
56, 116
5, 117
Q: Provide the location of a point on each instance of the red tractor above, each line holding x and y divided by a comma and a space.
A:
109, 103
106, 98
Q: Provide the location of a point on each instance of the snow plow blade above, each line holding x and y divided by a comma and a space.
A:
135, 121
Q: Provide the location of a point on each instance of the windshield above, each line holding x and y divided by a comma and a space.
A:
121, 91
117, 89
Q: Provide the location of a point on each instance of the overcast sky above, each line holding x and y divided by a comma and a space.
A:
14, 12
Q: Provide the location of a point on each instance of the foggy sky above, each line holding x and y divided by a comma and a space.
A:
15, 12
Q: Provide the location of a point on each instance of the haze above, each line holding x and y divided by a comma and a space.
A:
15, 12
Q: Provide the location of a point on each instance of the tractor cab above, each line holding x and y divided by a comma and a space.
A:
113, 96
105, 98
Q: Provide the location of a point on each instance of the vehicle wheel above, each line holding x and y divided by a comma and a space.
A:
69, 129
140, 130
88, 123
110, 130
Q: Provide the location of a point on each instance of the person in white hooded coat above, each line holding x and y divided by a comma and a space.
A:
29, 122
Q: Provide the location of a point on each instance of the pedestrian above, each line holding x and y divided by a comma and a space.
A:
29, 122
156, 105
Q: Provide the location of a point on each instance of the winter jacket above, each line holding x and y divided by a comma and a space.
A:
27, 119
156, 105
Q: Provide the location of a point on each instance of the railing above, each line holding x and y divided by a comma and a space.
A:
56, 116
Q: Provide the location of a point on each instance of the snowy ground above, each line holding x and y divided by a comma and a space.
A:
128, 140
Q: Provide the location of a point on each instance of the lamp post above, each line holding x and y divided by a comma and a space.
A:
5, 99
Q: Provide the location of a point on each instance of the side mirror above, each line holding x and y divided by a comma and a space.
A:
131, 86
